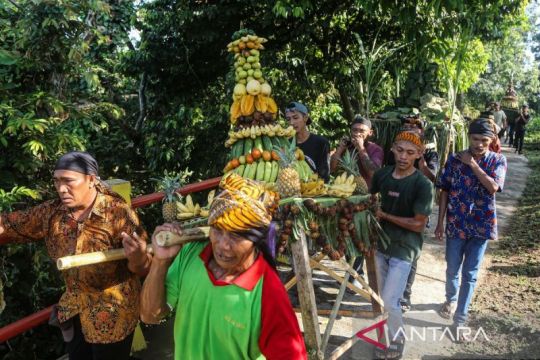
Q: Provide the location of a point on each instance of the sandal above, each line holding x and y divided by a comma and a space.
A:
405, 305
393, 352
447, 310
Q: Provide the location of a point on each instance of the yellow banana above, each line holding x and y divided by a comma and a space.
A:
185, 215
181, 207
210, 198
189, 203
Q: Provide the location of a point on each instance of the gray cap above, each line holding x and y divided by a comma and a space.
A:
296, 106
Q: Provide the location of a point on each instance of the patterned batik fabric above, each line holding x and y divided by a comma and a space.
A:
471, 212
105, 296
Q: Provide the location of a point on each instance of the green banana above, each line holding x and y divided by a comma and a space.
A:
237, 149
300, 170
307, 170
240, 170
267, 171
248, 145
247, 171
258, 144
267, 143
260, 171
253, 171
275, 170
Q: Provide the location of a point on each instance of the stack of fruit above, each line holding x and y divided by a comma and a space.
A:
257, 141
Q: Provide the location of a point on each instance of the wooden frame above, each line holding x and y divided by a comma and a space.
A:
306, 295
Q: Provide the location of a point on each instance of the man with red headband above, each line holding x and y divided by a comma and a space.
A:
406, 203
228, 299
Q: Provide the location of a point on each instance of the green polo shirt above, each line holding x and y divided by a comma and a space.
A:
250, 318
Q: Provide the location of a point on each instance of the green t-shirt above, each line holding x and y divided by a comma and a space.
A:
405, 197
216, 325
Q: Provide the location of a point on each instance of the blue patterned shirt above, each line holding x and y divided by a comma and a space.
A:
471, 212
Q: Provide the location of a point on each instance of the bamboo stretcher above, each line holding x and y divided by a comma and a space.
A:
163, 238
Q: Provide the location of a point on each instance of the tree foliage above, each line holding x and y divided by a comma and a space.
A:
72, 78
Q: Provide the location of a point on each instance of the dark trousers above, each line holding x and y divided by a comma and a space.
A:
79, 349
511, 130
408, 288
518, 140
501, 134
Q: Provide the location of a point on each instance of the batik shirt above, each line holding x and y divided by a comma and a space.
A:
471, 212
105, 296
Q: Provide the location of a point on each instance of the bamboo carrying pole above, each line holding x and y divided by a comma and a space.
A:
163, 238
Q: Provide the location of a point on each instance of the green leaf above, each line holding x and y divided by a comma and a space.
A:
7, 57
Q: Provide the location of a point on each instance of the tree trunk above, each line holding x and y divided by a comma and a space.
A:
348, 112
142, 102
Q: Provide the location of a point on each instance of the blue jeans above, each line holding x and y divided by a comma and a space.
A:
466, 255
392, 274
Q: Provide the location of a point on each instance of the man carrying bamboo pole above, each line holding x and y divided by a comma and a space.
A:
406, 203
228, 299
469, 181
99, 310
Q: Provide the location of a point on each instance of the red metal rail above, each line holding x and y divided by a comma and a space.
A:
29, 322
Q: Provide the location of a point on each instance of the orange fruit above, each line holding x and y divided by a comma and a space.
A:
249, 159
235, 163
275, 156
267, 155
256, 153
241, 45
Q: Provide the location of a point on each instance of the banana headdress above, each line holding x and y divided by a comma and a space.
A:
243, 206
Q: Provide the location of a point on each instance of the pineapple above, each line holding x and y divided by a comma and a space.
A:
288, 180
169, 184
349, 163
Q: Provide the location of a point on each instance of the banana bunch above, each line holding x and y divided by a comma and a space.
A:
242, 205
255, 131
205, 210
246, 104
343, 186
314, 187
187, 210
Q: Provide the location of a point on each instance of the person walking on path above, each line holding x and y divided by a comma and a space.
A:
316, 148
428, 164
521, 123
406, 203
499, 116
468, 183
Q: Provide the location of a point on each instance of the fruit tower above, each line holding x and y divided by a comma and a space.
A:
260, 146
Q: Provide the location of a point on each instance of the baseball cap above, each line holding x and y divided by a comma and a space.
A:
296, 106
